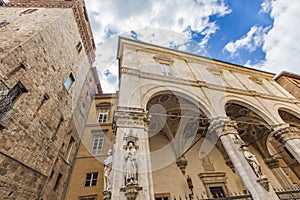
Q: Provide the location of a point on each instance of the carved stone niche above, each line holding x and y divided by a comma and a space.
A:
130, 137
214, 179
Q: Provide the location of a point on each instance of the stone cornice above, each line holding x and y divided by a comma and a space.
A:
170, 79
188, 57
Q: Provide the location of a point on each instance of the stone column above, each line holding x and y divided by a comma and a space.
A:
259, 187
290, 137
131, 133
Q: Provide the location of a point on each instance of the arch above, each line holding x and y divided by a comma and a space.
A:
289, 110
251, 106
183, 93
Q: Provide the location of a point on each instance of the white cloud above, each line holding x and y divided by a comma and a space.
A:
282, 43
266, 6
161, 22
251, 41
175, 15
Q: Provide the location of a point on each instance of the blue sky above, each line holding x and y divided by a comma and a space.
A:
261, 34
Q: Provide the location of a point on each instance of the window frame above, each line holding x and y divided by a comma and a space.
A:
88, 197
69, 81
91, 179
69, 149
166, 70
103, 112
98, 150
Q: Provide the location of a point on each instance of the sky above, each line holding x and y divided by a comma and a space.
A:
260, 34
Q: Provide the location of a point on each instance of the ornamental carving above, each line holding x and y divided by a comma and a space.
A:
286, 133
223, 126
131, 119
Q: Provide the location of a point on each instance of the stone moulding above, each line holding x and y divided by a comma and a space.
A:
131, 191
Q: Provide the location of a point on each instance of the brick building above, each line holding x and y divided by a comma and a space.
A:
290, 82
47, 85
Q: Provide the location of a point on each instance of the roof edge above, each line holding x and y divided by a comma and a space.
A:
287, 74
124, 40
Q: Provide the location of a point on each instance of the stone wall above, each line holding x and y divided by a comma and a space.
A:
39, 51
292, 85
16, 177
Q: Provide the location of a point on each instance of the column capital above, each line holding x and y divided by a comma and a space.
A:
131, 117
223, 126
283, 132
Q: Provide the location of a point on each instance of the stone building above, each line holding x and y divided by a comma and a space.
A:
87, 180
290, 82
189, 126
47, 85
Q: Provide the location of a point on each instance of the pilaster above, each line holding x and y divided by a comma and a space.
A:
132, 174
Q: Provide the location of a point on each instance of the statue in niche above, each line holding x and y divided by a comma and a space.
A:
107, 171
251, 158
130, 164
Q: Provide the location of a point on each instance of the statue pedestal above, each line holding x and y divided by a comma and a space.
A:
263, 181
131, 190
106, 195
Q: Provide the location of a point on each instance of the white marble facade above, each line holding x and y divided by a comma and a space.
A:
147, 71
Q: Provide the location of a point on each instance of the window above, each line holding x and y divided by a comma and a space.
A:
85, 14
166, 70
79, 47
16, 92
163, 196
69, 149
57, 181
28, 11
3, 23
97, 145
69, 81
91, 179
89, 197
103, 115
217, 192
